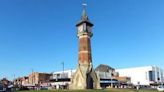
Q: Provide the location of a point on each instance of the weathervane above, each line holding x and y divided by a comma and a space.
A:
84, 4
84, 15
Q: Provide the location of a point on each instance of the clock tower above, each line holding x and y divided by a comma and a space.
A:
85, 76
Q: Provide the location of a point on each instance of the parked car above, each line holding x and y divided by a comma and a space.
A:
160, 88
2, 88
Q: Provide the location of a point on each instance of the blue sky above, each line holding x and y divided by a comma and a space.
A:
40, 34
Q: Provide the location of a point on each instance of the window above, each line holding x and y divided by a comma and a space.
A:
151, 76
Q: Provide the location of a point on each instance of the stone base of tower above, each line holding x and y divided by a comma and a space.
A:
85, 78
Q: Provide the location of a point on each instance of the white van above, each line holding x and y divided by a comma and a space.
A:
160, 88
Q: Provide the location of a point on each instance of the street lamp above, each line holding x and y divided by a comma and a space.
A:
112, 80
63, 68
32, 76
63, 72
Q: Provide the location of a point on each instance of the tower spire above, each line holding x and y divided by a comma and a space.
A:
84, 13
84, 17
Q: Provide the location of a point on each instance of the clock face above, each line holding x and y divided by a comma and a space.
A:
84, 28
89, 29
80, 28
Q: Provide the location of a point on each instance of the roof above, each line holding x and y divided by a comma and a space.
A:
4, 79
104, 68
150, 67
84, 18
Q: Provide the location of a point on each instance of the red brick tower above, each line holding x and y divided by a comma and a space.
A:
85, 76
84, 34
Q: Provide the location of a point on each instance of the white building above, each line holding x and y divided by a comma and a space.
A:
62, 78
147, 75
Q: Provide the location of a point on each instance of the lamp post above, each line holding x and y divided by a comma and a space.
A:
63, 72
71, 72
158, 81
63, 68
112, 80
14, 77
32, 75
